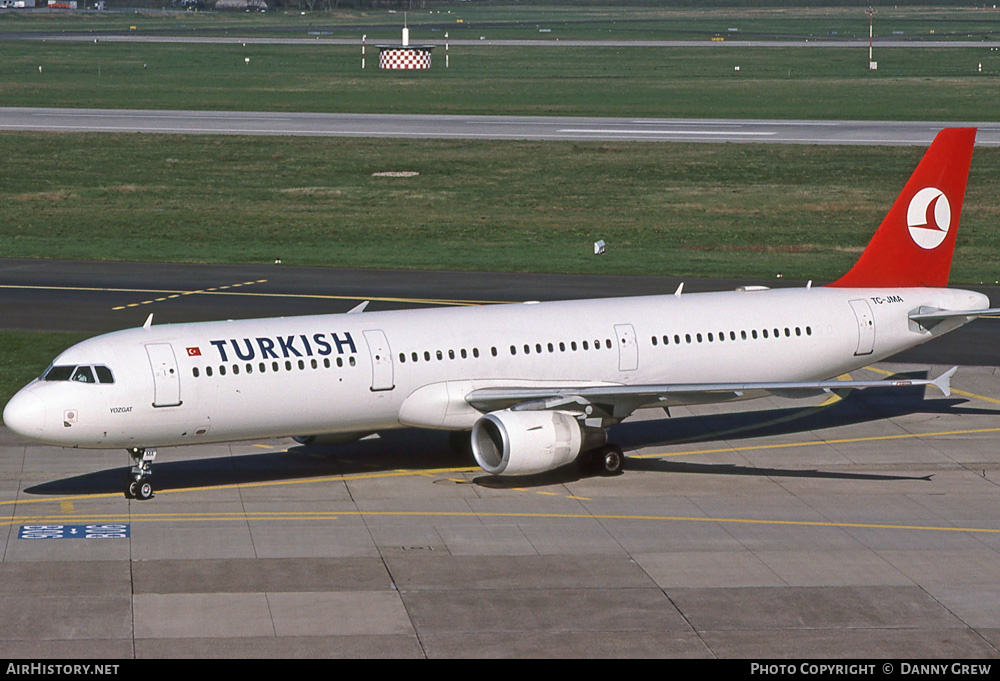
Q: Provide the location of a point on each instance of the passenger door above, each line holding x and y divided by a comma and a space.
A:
166, 379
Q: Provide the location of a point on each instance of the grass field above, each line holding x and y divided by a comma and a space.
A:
678, 209
799, 83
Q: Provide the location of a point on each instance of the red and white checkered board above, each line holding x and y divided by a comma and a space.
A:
404, 59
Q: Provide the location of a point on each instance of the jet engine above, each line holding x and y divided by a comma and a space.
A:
526, 442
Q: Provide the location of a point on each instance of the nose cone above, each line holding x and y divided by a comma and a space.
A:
25, 414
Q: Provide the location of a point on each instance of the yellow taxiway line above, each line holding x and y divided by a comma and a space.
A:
227, 290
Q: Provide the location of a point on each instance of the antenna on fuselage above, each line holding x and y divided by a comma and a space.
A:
149, 321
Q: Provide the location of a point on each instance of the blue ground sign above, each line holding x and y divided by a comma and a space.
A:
115, 531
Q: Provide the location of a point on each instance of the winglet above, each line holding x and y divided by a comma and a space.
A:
914, 244
943, 382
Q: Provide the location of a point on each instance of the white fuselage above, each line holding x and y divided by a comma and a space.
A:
359, 373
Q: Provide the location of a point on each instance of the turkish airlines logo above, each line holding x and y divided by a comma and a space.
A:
928, 217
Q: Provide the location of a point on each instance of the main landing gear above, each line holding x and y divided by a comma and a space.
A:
606, 460
139, 486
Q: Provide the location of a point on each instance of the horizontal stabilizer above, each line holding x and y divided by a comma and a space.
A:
940, 315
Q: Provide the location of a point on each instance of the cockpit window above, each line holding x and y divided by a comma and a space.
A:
80, 374
58, 373
83, 375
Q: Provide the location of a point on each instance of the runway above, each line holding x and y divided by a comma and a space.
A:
867, 527
484, 127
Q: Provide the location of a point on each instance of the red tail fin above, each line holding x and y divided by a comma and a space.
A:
914, 244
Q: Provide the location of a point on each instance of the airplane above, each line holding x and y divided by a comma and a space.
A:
530, 386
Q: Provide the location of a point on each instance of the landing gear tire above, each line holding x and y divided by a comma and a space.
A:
145, 491
608, 460
612, 460
140, 489
139, 486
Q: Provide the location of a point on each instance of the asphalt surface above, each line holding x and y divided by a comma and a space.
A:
867, 527
485, 127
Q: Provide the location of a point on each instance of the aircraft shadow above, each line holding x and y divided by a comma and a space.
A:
428, 450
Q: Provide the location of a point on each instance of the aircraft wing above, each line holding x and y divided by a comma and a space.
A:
619, 401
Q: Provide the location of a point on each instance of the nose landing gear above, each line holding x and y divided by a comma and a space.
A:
139, 486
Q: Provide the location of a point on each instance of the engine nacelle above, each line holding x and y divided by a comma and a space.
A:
525, 442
